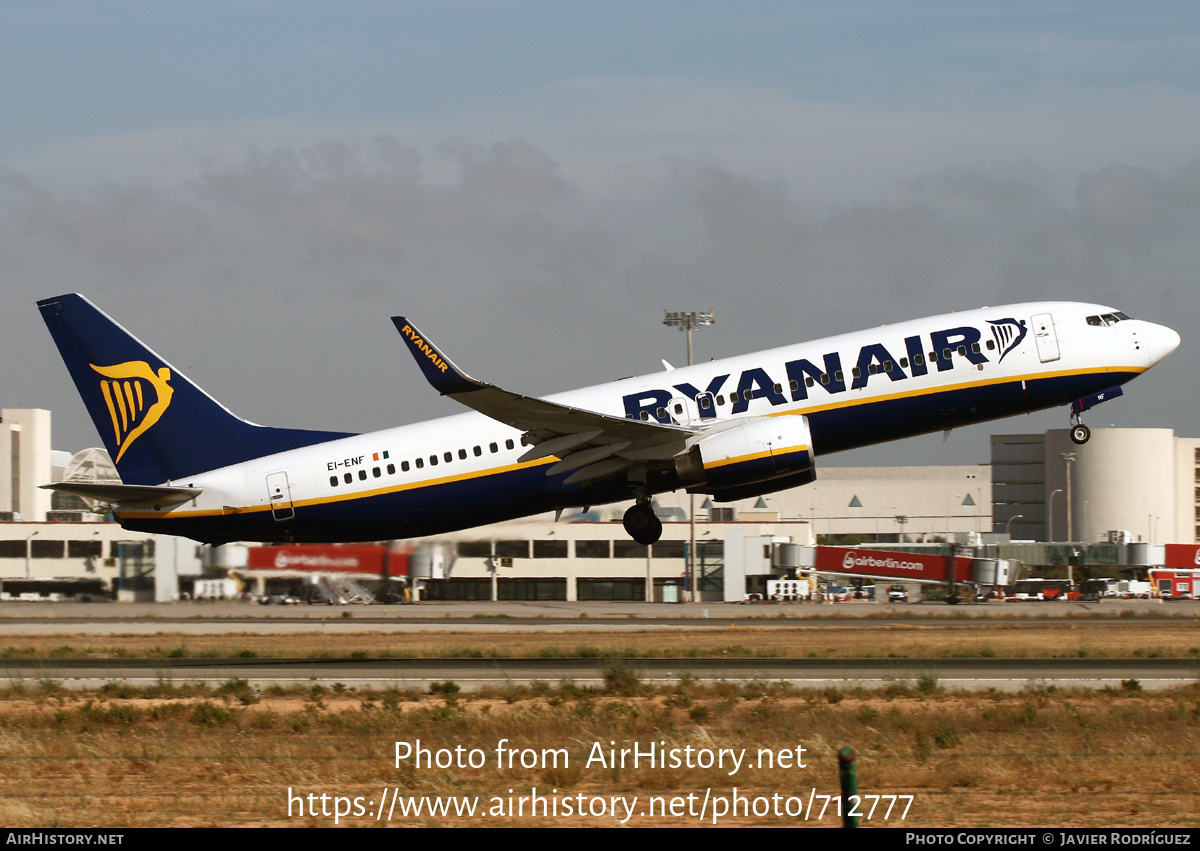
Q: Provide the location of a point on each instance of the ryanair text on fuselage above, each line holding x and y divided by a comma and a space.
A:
874, 360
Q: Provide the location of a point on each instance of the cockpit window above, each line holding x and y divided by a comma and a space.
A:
1107, 318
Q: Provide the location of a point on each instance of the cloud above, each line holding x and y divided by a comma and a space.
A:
273, 275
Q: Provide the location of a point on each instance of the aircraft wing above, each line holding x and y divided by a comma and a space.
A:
118, 494
591, 444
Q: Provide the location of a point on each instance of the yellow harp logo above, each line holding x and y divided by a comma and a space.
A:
136, 397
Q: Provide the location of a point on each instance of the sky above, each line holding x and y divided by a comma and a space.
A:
253, 188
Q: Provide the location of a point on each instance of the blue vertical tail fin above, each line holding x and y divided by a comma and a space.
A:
156, 424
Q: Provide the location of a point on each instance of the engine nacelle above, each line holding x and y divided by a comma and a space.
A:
756, 450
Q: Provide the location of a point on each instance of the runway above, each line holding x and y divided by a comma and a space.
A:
196, 618
474, 674
471, 674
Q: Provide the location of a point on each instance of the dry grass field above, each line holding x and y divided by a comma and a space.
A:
228, 756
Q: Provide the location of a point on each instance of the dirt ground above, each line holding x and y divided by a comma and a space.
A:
188, 755
241, 758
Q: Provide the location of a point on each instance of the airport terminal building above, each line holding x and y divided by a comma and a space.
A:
1127, 485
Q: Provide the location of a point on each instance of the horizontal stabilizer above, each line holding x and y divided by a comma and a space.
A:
115, 494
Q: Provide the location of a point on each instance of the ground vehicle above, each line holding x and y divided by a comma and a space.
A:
897, 593
1041, 589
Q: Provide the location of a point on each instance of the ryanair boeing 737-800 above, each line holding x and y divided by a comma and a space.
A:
731, 428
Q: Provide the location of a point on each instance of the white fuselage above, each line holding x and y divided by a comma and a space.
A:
855, 389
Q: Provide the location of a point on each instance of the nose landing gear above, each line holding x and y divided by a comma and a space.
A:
641, 524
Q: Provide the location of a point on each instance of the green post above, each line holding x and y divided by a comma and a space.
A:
848, 768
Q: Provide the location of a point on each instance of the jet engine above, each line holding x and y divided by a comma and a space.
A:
748, 452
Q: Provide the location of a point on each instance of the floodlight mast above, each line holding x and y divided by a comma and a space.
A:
688, 322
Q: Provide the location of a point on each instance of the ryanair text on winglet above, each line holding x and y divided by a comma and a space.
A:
424, 348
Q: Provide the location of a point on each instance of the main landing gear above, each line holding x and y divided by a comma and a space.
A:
641, 524
1080, 434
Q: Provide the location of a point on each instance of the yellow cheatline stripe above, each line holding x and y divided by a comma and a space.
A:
553, 460
252, 509
754, 456
946, 388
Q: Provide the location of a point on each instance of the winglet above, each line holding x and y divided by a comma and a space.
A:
439, 371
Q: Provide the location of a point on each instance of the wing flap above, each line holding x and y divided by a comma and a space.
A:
599, 470
555, 445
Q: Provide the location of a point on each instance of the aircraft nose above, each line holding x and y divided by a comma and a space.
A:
1160, 341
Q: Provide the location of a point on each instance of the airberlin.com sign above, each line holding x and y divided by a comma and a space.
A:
883, 563
1182, 555
364, 559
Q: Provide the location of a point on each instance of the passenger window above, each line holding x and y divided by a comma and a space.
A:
362, 475
376, 472
420, 463
945, 354
333, 481
748, 394
778, 388
904, 363
433, 461
991, 344
348, 478
679, 409
808, 382
494, 448
824, 377
887, 366
873, 369
391, 468
856, 372
508, 443
919, 360
478, 450
962, 350
448, 457
403, 466
645, 418
462, 453
975, 348
661, 412
794, 385
839, 375
705, 403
